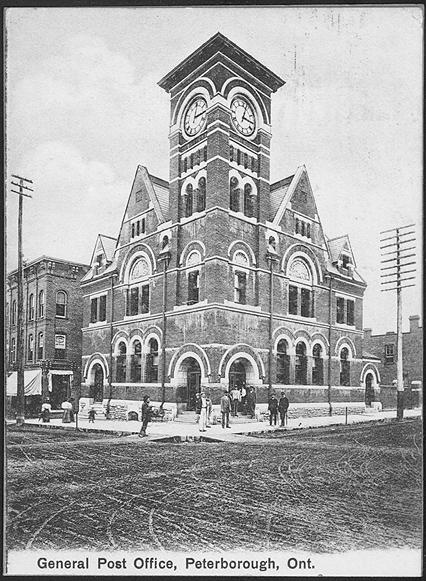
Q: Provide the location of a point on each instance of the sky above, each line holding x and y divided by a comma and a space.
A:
84, 109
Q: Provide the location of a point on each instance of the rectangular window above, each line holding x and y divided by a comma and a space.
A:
340, 310
93, 310
292, 300
305, 307
138, 228
350, 311
389, 353
193, 291
145, 299
102, 308
60, 346
143, 226
133, 230
240, 288
134, 300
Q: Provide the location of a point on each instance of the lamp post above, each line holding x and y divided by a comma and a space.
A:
164, 256
271, 258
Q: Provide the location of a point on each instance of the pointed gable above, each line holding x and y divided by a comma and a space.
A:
102, 256
296, 194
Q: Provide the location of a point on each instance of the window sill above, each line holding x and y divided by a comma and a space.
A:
245, 306
191, 306
133, 317
98, 324
345, 326
242, 216
300, 318
61, 317
193, 216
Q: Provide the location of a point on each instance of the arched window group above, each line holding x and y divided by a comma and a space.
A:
300, 290
134, 366
138, 293
242, 199
194, 200
303, 374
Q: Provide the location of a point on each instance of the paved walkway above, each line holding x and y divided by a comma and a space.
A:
178, 431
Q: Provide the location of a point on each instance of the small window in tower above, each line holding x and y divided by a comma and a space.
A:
188, 200
143, 226
296, 229
234, 195
198, 157
248, 201
201, 198
205, 153
138, 228
191, 160
238, 157
240, 288
308, 230
245, 160
133, 230
185, 164
253, 164
193, 287
302, 227
231, 153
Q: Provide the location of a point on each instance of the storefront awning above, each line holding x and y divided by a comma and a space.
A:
32, 382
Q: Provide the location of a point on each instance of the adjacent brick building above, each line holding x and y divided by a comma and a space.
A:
384, 348
52, 319
218, 277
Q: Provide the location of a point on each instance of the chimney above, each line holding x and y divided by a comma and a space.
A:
414, 322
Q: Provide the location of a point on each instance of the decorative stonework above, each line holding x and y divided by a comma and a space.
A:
241, 259
139, 270
300, 271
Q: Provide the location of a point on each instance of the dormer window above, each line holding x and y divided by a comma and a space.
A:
345, 261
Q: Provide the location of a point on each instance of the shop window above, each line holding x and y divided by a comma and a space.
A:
121, 362
344, 367
136, 368
300, 364
30, 353
61, 304
152, 361
318, 365
60, 346
40, 346
283, 363
234, 195
240, 288
31, 307
41, 303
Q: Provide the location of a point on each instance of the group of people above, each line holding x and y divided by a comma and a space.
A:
67, 407
275, 407
240, 396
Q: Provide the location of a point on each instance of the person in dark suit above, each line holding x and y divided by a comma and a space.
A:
225, 408
283, 407
146, 415
273, 410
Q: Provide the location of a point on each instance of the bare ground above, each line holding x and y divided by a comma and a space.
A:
326, 489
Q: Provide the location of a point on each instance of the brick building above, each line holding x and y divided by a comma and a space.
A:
219, 277
384, 348
52, 322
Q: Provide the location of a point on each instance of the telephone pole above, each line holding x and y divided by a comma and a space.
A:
20, 389
397, 239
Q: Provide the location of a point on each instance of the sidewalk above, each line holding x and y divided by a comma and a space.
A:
177, 431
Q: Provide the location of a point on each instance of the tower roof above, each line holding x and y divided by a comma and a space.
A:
220, 44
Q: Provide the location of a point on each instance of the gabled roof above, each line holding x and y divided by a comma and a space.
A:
287, 191
161, 189
337, 245
107, 244
278, 192
218, 43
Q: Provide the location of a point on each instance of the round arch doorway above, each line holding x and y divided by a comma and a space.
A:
369, 389
237, 374
97, 384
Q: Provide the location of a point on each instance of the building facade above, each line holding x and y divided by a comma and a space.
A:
384, 347
52, 321
218, 277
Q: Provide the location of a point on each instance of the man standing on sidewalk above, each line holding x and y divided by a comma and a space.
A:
283, 407
146, 415
225, 407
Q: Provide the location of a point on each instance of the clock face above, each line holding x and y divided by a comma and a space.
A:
243, 116
195, 116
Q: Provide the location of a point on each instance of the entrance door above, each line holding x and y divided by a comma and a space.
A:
237, 375
59, 392
98, 386
193, 383
369, 389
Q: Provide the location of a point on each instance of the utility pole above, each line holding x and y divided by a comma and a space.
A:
397, 239
20, 390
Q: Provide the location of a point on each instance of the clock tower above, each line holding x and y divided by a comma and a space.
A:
220, 132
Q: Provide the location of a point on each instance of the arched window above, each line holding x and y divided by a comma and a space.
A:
30, 353
234, 195
31, 307
188, 200
137, 362
318, 367
40, 346
345, 367
283, 363
248, 201
41, 303
151, 372
14, 313
194, 258
61, 304
121, 360
165, 243
301, 364
201, 197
